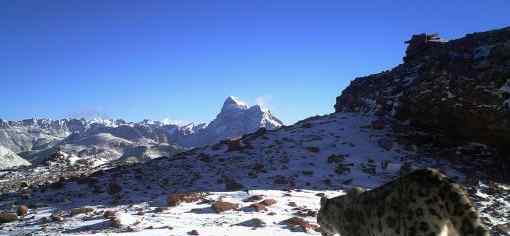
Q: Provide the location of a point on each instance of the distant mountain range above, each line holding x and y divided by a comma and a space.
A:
110, 139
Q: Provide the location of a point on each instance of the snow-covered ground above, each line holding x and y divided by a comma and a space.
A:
320, 155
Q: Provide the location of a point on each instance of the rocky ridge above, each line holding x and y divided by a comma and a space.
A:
449, 93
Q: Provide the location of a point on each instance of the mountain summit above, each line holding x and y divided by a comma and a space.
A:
233, 104
235, 119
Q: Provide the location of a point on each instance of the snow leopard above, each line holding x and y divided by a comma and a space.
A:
421, 203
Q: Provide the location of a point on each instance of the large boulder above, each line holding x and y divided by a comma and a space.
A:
459, 89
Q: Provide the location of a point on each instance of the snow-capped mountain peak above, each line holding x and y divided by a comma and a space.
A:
233, 104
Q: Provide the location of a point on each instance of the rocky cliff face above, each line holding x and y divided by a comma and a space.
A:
459, 88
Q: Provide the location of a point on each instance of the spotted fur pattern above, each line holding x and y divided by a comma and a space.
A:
422, 203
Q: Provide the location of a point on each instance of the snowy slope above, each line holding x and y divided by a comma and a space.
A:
9, 159
291, 164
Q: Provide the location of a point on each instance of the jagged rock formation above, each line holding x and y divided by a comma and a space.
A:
459, 89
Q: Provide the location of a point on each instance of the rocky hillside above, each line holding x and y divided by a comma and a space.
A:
457, 91
267, 182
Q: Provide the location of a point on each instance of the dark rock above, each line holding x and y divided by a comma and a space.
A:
81, 210
254, 198
253, 223
385, 143
378, 124
232, 185
114, 188
57, 216
459, 90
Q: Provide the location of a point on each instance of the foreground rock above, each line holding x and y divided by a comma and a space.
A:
221, 206
6, 217
299, 224
178, 198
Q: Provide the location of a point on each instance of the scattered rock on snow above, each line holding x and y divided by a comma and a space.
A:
108, 214
503, 228
254, 198
6, 217
253, 223
221, 206
178, 198
57, 216
22, 210
258, 207
268, 202
81, 210
299, 224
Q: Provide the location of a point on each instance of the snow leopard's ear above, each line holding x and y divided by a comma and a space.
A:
324, 200
355, 191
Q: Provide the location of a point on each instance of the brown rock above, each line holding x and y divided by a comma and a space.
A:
22, 210
109, 214
378, 124
258, 207
6, 217
57, 216
268, 202
178, 198
221, 206
299, 224
81, 210
503, 228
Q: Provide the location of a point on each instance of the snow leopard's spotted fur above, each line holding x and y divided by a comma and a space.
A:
424, 202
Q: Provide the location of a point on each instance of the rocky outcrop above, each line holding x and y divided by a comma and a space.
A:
459, 88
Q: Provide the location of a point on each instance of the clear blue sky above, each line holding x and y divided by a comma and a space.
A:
180, 59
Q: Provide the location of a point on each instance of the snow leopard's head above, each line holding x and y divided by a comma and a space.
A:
324, 218
331, 212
